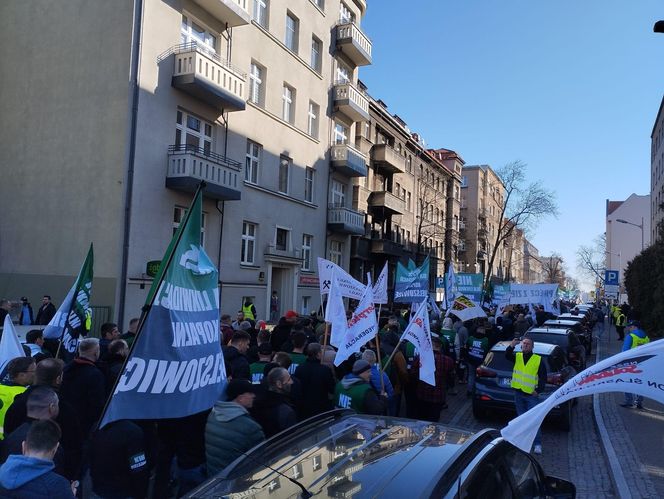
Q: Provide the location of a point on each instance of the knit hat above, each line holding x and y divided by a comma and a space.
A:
360, 366
237, 387
291, 314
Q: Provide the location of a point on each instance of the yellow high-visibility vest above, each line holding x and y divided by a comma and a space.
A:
524, 376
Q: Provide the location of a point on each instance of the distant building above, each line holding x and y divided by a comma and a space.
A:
657, 173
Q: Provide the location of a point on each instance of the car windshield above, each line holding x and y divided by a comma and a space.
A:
496, 361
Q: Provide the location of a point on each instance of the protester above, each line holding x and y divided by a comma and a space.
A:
282, 330
521, 325
226, 329
396, 370
230, 430
237, 364
256, 369
316, 384
130, 335
621, 320
477, 346
635, 338
299, 341
45, 312
84, 385
5, 308
31, 475
26, 317
34, 340
355, 392
118, 462
109, 332
375, 380
274, 411
433, 399
239, 319
21, 374
528, 380
118, 350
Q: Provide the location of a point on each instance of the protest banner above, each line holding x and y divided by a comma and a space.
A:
175, 367
639, 371
380, 287
412, 285
74, 316
450, 286
465, 309
335, 313
362, 327
418, 334
10, 345
470, 285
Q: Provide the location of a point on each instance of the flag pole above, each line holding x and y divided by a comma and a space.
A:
325, 335
380, 363
146, 308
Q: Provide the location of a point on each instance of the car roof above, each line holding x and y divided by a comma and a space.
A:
539, 347
560, 322
572, 317
357, 456
547, 330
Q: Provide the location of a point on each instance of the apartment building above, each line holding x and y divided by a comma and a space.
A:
514, 251
482, 198
253, 96
657, 173
532, 264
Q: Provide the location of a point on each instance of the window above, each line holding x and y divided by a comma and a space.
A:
248, 243
192, 32
307, 243
316, 54
306, 303
321, 5
312, 119
256, 84
338, 194
253, 161
309, 184
288, 99
281, 239
284, 173
345, 14
261, 10
344, 73
340, 133
292, 29
193, 133
317, 463
525, 474
408, 200
336, 252
179, 212
397, 189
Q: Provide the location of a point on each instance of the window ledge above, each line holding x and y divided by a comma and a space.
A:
249, 266
280, 195
283, 46
283, 122
317, 8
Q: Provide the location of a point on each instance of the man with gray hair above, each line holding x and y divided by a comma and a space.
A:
84, 385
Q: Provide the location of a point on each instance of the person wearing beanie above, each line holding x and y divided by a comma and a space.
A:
256, 368
355, 392
230, 430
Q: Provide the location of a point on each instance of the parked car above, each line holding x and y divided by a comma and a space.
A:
579, 325
566, 339
342, 454
493, 391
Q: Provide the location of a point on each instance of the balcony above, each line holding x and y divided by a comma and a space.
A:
348, 161
278, 254
188, 165
386, 203
204, 75
350, 101
345, 220
232, 13
386, 247
387, 159
354, 43
481, 213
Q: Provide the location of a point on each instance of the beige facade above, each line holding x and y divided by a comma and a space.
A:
532, 264
244, 94
482, 197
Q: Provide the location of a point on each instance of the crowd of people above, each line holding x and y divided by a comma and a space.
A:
279, 374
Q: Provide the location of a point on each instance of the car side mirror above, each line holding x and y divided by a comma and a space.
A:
558, 488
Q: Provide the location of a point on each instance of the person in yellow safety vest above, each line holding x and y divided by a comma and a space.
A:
620, 325
528, 380
21, 373
249, 310
615, 311
635, 338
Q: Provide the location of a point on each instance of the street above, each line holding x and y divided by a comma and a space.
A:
634, 436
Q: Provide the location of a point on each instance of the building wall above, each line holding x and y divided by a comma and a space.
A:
64, 121
657, 173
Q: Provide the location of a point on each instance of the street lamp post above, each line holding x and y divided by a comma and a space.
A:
622, 221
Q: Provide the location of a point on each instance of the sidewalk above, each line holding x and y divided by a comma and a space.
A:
637, 436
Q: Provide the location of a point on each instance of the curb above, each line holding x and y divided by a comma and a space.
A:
617, 475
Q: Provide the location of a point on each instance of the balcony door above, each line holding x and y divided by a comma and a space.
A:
192, 133
193, 31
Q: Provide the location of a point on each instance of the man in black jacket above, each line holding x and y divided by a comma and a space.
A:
282, 331
317, 384
237, 364
45, 312
84, 385
273, 409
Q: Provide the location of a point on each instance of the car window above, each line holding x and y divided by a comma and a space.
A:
525, 476
497, 361
551, 338
489, 479
556, 361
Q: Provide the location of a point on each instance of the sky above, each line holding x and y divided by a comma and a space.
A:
570, 87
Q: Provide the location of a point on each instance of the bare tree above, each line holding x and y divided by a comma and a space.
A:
553, 270
590, 259
430, 215
523, 206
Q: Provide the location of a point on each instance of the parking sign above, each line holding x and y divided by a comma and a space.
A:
611, 278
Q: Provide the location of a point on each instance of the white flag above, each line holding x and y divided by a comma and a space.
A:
380, 287
419, 334
450, 286
335, 313
349, 286
362, 327
465, 309
10, 345
639, 371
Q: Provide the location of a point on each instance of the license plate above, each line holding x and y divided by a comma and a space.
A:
505, 381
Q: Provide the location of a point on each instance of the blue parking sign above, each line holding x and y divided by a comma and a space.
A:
611, 277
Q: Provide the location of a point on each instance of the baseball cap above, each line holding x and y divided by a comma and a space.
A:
24, 298
290, 314
361, 366
634, 323
237, 387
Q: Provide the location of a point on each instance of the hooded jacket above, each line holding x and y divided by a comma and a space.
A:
237, 364
31, 478
230, 431
372, 403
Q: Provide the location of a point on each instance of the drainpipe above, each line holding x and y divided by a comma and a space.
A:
129, 186
222, 211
